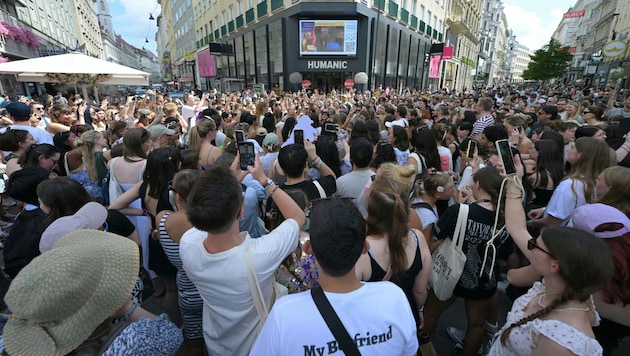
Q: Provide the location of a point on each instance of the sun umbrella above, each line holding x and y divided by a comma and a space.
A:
74, 68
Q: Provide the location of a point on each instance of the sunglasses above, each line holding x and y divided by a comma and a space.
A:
531, 244
586, 112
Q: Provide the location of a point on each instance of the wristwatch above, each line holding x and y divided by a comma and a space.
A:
268, 183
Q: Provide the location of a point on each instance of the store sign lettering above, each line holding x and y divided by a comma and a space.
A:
327, 64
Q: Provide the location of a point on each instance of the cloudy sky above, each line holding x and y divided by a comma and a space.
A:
534, 21
131, 20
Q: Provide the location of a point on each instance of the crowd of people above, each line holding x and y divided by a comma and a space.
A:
341, 206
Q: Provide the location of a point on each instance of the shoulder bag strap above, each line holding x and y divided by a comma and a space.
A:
65, 163
334, 324
254, 286
320, 189
460, 227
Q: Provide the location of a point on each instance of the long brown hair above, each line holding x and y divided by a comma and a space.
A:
595, 157
585, 265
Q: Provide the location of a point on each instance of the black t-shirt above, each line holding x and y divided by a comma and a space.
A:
478, 232
119, 224
308, 187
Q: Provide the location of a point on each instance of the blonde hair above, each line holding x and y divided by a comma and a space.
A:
199, 131
87, 142
169, 108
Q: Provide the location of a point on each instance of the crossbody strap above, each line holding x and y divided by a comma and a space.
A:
320, 189
334, 324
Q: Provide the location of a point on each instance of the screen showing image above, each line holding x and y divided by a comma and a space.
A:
328, 37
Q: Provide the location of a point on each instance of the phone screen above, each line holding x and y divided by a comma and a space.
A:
240, 136
505, 152
299, 137
246, 151
330, 127
470, 151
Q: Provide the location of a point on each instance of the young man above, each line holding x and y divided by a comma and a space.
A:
353, 183
293, 161
213, 255
337, 239
483, 109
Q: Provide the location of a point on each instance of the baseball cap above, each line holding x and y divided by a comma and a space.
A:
18, 109
91, 216
588, 217
399, 122
261, 131
271, 141
144, 111
159, 130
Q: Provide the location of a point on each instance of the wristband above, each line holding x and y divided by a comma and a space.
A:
273, 191
270, 182
129, 312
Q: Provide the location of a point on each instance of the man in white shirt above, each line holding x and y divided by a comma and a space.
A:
20, 113
213, 255
337, 239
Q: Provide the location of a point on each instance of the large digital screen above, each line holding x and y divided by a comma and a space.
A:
328, 37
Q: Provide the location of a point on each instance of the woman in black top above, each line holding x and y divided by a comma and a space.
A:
397, 253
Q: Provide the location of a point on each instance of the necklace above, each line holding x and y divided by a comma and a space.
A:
540, 304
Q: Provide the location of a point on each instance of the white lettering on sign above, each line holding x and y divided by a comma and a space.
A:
327, 64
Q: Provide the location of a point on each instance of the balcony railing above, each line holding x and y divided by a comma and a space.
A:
422, 26
276, 4
230, 26
239, 21
392, 10
414, 21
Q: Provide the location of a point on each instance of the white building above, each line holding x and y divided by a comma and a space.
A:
520, 62
86, 27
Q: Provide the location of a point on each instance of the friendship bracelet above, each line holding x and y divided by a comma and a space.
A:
273, 191
129, 312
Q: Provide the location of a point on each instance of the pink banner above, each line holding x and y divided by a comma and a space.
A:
206, 64
447, 53
434, 67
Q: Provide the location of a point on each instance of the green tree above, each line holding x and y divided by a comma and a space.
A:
549, 62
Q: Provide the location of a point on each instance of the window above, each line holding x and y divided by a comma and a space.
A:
434, 21
429, 18
239, 7
422, 12
223, 22
414, 6
231, 12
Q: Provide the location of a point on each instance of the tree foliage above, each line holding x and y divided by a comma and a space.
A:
549, 62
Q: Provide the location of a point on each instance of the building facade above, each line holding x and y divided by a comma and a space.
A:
287, 44
521, 56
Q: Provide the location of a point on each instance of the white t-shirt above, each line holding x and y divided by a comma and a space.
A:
189, 112
40, 135
295, 326
230, 320
446, 159
426, 215
564, 201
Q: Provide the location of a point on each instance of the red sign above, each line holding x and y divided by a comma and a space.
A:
306, 84
447, 53
572, 49
348, 84
573, 14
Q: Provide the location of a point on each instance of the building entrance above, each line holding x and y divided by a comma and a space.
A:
327, 81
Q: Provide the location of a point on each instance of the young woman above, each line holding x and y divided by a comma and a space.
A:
425, 150
93, 166
515, 126
397, 136
152, 191
556, 315
588, 158
593, 115
40, 155
433, 187
201, 136
61, 119
17, 142
612, 187
172, 225
397, 253
547, 171
478, 283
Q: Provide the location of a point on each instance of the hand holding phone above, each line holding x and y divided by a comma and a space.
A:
299, 137
240, 136
505, 153
471, 149
247, 155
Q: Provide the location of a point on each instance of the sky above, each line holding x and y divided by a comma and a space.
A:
131, 20
534, 21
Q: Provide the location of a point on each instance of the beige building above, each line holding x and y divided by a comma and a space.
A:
86, 27
463, 18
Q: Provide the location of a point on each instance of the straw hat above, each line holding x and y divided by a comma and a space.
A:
63, 295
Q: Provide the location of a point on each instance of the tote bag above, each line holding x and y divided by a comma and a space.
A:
449, 259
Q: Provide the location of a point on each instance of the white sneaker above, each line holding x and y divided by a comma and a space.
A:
458, 336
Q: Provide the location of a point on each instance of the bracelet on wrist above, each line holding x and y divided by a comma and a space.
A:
273, 191
129, 312
269, 183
